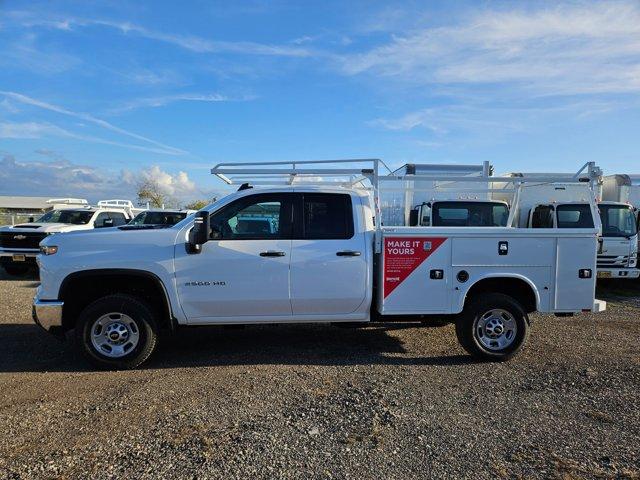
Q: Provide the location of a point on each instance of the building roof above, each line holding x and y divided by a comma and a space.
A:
27, 203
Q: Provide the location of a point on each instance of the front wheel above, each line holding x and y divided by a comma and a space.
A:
117, 332
493, 327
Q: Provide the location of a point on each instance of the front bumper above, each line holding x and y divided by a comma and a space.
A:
623, 273
9, 256
47, 314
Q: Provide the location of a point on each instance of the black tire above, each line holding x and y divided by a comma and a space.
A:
145, 327
470, 333
16, 270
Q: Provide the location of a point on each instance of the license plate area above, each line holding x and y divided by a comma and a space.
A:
604, 275
18, 257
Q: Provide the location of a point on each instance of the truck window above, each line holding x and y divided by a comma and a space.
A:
327, 216
542, 217
257, 217
75, 217
118, 218
574, 216
100, 219
158, 218
617, 221
469, 214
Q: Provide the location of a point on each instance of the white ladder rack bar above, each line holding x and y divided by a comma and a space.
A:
308, 171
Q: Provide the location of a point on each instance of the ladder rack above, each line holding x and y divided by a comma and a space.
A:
363, 173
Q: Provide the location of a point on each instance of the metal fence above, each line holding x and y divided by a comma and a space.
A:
14, 218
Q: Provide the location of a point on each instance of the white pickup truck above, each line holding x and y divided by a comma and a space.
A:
315, 255
19, 244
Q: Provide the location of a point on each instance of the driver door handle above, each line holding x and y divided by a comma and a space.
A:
272, 253
348, 253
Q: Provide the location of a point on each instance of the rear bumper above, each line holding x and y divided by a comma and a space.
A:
47, 313
626, 273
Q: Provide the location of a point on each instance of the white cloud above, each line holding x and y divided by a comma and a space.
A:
31, 130
59, 177
159, 147
9, 106
177, 185
573, 48
41, 59
161, 101
34, 130
188, 42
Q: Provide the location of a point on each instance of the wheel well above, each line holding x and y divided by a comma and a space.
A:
514, 287
80, 289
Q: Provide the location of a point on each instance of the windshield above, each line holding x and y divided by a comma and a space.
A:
470, 214
158, 218
75, 217
617, 221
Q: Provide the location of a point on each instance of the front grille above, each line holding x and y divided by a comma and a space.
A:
21, 239
613, 260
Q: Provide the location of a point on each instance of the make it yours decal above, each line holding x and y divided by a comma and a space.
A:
402, 255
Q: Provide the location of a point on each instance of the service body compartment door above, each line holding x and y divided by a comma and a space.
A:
575, 288
504, 251
416, 275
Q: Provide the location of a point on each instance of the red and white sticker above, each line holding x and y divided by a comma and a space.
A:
402, 255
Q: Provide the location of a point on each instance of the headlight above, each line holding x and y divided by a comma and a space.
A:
633, 260
48, 249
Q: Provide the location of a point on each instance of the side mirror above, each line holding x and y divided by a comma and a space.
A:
200, 232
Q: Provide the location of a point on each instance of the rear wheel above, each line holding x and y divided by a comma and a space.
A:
493, 327
117, 332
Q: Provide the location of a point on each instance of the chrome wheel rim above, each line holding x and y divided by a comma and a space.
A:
496, 329
114, 335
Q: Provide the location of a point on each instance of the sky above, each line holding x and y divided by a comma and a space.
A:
97, 96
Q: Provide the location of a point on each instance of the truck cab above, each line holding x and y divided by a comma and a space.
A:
618, 250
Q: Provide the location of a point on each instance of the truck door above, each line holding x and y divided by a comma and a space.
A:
244, 269
329, 261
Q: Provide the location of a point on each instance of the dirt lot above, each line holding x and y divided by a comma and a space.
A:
397, 401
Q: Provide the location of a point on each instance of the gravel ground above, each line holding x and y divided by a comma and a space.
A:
400, 401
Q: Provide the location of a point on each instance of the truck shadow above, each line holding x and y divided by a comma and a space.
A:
26, 348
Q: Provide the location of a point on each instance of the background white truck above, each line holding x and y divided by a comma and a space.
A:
569, 205
324, 258
19, 244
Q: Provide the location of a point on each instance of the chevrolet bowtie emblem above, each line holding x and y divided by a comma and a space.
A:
19, 237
